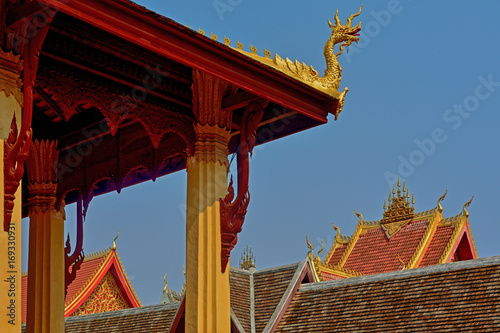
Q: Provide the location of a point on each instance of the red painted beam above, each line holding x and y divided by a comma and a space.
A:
171, 40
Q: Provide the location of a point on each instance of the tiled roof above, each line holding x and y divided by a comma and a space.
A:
85, 277
437, 245
270, 285
375, 253
87, 269
147, 319
456, 297
337, 255
239, 280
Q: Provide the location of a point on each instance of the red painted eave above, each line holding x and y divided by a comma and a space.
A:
167, 38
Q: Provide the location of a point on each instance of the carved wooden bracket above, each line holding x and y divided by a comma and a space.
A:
232, 213
75, 259
27, 29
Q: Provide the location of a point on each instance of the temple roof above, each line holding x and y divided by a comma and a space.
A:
454, 297
100, 272
402, 239
98, 55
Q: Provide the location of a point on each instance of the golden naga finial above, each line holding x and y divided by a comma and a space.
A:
337, 236
227, 42
213, 36
464, 211
342, 35
320, 252
166, 283
309, 245
441, 198
114, 240
358, 215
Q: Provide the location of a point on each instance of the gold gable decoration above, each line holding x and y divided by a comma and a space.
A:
399, 212
106, 297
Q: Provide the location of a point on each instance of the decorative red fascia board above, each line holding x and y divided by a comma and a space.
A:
169, 39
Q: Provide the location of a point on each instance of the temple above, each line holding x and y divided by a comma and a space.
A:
402, 239
101, 285
99, 95
285, 299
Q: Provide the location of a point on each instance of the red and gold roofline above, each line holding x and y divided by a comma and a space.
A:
434, 217
112, 264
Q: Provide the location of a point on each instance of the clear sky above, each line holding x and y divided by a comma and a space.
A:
423, 102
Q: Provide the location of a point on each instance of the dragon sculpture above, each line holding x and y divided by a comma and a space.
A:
344, 35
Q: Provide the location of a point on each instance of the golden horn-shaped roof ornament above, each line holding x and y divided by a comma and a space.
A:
358, 215
166, 283
114, 240
441, 198
309, 244
464, 211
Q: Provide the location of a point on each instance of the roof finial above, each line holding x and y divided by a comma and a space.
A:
441, 198
413, 200
247, 259
404, 187
399, 187
385, 206
166, 284
465, 212
358, 215
320, 252
114, 240
393, 190
390, 198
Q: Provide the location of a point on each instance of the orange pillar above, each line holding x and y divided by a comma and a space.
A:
46, 242
11, 102
207, 288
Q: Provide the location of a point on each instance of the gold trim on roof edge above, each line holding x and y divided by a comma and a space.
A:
424, 241
329, 83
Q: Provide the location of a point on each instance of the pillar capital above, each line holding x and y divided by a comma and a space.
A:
11, 67
211, 145
208, 92
42, 176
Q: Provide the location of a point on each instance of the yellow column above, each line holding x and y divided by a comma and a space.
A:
11, 101
207, 288
46, 243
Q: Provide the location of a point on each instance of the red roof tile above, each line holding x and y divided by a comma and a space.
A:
375, 253
337, 255
437, 245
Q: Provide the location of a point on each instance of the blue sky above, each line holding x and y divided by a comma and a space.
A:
423, 102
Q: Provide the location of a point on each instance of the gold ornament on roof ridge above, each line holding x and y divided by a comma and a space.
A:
441, 198
344, 35
464, 211
399, 207
247, 259
114, 240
